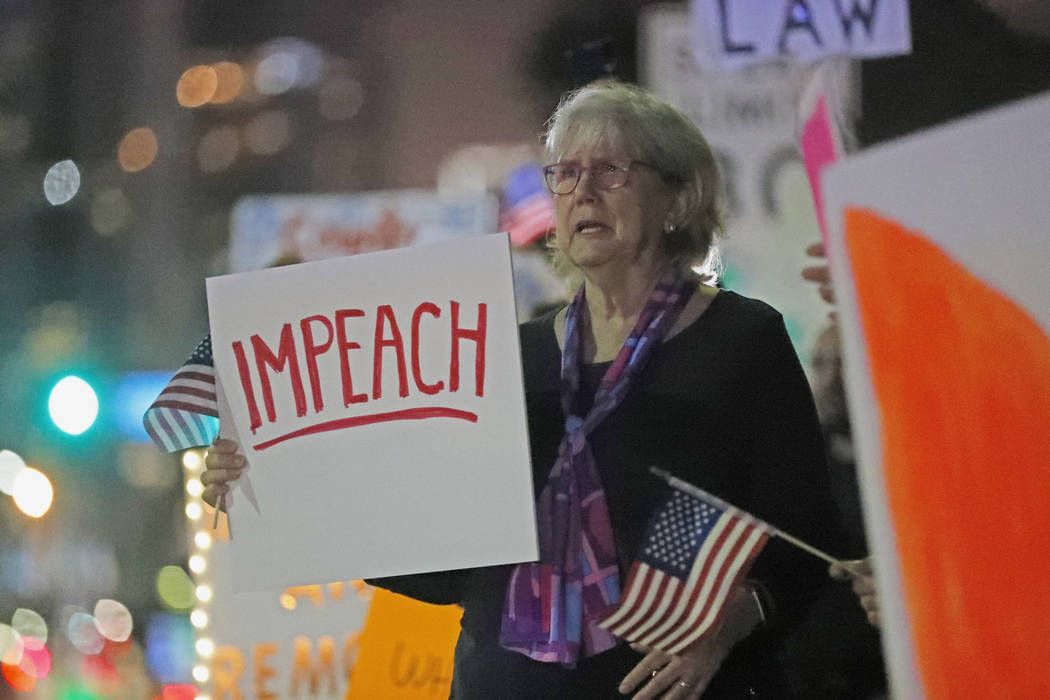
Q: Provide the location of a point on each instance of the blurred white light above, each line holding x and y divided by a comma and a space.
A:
29, 623
73, 405
203, 593
199, 619
10, 465
202, 540
62, 182
197, 564
113, 620
205, 647
32, 492
194, 487
200, 674
83, 633
10, 645
191, 459
194, 510
288, 62
202, 697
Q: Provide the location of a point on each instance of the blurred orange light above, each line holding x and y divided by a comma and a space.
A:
230, 82
137, 150
197, 86
17, 678
287, 601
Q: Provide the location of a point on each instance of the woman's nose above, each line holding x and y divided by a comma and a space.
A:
585, 187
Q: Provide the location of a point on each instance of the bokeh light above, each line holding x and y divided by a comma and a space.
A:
288, 62
83, 634
17, 678
218, 149
29, 623
10, 465
268, 132
203, 593
202, 539
32, 492
340, 98
194, 487
110, 211
73, 405
197, 564
137, 150
288, 601
197, 86
113, 620
10, 645
194, 510
36, 660
61, 182
76, 692
200, 674
199, 619
230, 82
191, 459
175, 588
205, 647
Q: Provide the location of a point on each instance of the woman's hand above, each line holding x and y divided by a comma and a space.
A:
222, 465
863, 577
684, 676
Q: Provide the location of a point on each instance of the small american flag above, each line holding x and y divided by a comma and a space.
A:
694, 551
186, 414
528, 207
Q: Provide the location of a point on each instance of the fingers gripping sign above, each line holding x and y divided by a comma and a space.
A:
861, 576
222, 465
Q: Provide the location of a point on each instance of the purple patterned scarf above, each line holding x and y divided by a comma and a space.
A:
554, 605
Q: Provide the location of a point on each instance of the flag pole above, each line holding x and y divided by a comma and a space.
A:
685, 487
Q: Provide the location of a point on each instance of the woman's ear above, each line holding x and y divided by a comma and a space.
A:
682, 207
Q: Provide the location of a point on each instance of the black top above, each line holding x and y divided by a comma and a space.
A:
725, 405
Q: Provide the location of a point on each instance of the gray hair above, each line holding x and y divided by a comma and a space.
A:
619, 114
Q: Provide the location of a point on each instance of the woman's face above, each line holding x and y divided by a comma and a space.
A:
598, 228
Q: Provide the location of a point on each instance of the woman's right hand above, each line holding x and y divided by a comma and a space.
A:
222, 465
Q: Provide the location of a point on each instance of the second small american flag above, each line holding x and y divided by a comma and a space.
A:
693, 553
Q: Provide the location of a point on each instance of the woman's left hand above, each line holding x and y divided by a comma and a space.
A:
684, 676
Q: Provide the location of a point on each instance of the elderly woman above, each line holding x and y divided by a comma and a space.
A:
647, 366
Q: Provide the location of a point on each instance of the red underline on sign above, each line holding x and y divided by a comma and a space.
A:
355, 421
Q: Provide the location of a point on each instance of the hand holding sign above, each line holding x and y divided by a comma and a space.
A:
222, 465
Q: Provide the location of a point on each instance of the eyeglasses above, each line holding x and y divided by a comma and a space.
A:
562, 178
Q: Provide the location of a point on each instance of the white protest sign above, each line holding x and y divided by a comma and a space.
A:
382, 389
731, 34
939, 249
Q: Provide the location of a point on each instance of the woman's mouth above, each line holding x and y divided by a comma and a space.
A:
589, 227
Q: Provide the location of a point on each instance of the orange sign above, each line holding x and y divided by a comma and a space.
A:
406, 650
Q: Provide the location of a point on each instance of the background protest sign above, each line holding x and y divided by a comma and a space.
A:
266, 228
382, 389
730, 34
939, 247
751, 121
